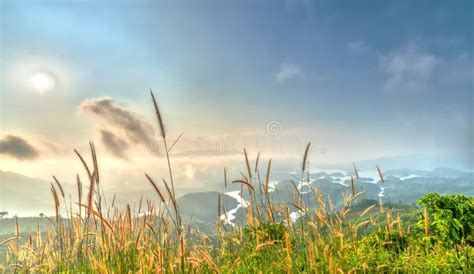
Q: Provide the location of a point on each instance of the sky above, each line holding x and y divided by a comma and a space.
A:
358, 79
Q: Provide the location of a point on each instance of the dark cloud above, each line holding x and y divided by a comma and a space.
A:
17, 147
135, 128
114, 144
123, 126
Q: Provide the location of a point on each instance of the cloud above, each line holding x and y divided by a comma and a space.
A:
114, 144
190, 171
17, 147
408, 69
123, 126
288, 71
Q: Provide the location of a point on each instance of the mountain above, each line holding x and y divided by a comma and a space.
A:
201, 207
404, 186
30, 195
415, 162
27, 196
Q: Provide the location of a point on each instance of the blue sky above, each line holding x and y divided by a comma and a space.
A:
367, 78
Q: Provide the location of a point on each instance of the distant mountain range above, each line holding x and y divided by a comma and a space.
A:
415, 161
27, 196
24, 195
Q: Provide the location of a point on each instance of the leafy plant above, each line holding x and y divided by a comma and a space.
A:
453, 217
266, 232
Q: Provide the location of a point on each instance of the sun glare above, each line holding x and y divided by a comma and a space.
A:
42, 81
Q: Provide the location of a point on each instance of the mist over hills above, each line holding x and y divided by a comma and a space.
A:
24, 195
415, 162
27, 196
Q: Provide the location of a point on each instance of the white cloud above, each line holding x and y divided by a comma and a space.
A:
408, 69
288, 71
190, 171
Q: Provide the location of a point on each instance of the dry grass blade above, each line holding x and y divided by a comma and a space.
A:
380, 173
182, 246
152, 229
89, 174
113, 200
399, 222
267, 176
95, 163
352, 186
367, 210
243, 182
175, 141
173, 202
355, 171
56, 199
162, 198
218, 206
313, 225
389, 223
168, 189
380, 203
158, 115
248, 164
225, 177
296, 187
209, 260
79, 188
59, 186
98, 215
358, 195
9, 240
17, 227
16, 266
297, 207
305, 157
265, 244
256, 162
129, 217
362, 223
90, 196
288, 251
288, 218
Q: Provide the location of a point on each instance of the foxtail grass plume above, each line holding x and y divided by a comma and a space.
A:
158, 116
305, 157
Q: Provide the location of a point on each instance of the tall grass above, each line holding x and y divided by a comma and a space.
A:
91, 236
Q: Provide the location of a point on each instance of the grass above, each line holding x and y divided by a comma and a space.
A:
88, 235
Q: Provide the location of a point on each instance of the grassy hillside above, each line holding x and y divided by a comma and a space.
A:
303, 232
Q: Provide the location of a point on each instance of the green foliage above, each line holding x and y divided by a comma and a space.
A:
265, 231
453, 217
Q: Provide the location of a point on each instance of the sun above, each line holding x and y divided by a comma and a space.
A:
42, 81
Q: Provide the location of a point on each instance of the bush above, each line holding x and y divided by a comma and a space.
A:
266, 231
453, 217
